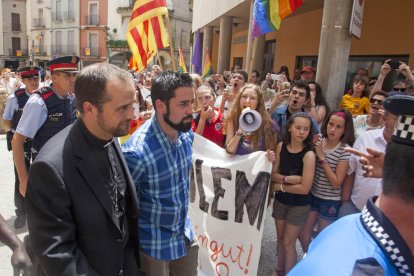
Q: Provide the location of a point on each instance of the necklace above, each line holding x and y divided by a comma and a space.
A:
113, 191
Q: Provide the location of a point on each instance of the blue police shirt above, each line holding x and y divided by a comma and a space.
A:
34, 116
11, 107
360, 244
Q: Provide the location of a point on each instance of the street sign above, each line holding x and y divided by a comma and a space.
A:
356, 18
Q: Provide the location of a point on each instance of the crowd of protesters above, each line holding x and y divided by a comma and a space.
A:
315, 180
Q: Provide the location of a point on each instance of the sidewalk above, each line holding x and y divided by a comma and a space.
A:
7, 203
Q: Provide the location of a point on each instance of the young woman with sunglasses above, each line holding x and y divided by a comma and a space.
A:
374, 119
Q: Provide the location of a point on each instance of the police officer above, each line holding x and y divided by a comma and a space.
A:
11, 117
47, 111
379, 240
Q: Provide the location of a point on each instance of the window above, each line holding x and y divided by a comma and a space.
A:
93, 44
71, 10
58, 10
372, 63
39, 21
15, 22
71, 42
93, 14
58, 41
15, 45
268, 57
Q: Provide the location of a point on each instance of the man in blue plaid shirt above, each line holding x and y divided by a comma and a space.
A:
159, 156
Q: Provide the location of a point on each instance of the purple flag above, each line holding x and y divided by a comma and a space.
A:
197, 54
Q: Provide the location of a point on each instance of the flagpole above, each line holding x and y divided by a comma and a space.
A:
167, 20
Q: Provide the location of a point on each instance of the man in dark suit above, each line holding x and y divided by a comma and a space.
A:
81, 203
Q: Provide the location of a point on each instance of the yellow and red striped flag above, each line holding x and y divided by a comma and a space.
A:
181, 65
132, 64
146, 31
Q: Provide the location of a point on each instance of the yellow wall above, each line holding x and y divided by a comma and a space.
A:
239, 50
388, 29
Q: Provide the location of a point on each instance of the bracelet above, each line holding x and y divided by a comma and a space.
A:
313, 106
284, 181
323, 161
238, 133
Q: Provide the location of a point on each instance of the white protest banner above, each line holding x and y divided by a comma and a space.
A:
227, 208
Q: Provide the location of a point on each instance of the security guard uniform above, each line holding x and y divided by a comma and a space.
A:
13, 113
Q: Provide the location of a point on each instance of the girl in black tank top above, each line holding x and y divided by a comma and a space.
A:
292, 180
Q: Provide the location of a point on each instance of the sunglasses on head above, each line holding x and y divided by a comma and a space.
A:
380, 102
399, 89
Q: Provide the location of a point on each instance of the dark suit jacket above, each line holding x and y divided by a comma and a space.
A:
71, 222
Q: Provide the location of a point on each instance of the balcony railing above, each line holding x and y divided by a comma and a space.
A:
60, 49
40, 51
17, 52
92, 20
38, 22
57, 16
91, 51
69, 15
16, 27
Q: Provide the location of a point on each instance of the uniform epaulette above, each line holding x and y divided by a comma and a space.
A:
45, 92
19, 91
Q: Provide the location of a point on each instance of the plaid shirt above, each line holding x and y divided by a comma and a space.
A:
161, 171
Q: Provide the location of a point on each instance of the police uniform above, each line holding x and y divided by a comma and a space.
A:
46, 113
13, 112
367, 243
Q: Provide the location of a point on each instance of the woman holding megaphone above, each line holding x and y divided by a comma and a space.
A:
248, 126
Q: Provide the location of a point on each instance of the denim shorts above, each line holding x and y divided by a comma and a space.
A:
327, 209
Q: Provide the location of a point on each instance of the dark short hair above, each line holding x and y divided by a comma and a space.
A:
90, 84
379, 92
398, 172
241, 72
164, 85
302, 85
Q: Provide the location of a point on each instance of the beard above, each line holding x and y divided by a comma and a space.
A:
181, 126
119, 130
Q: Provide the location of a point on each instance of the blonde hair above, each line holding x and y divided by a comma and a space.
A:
265, 133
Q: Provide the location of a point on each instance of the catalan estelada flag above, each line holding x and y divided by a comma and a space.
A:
207, 68
181, 65
267, 14
146, 31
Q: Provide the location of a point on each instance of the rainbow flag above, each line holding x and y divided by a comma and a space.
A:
207, 68
181, 65
146, 31
267, 14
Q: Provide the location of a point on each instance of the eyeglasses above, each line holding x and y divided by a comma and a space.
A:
379, 102
399, 89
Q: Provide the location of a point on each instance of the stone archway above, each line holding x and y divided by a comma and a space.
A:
120, 59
